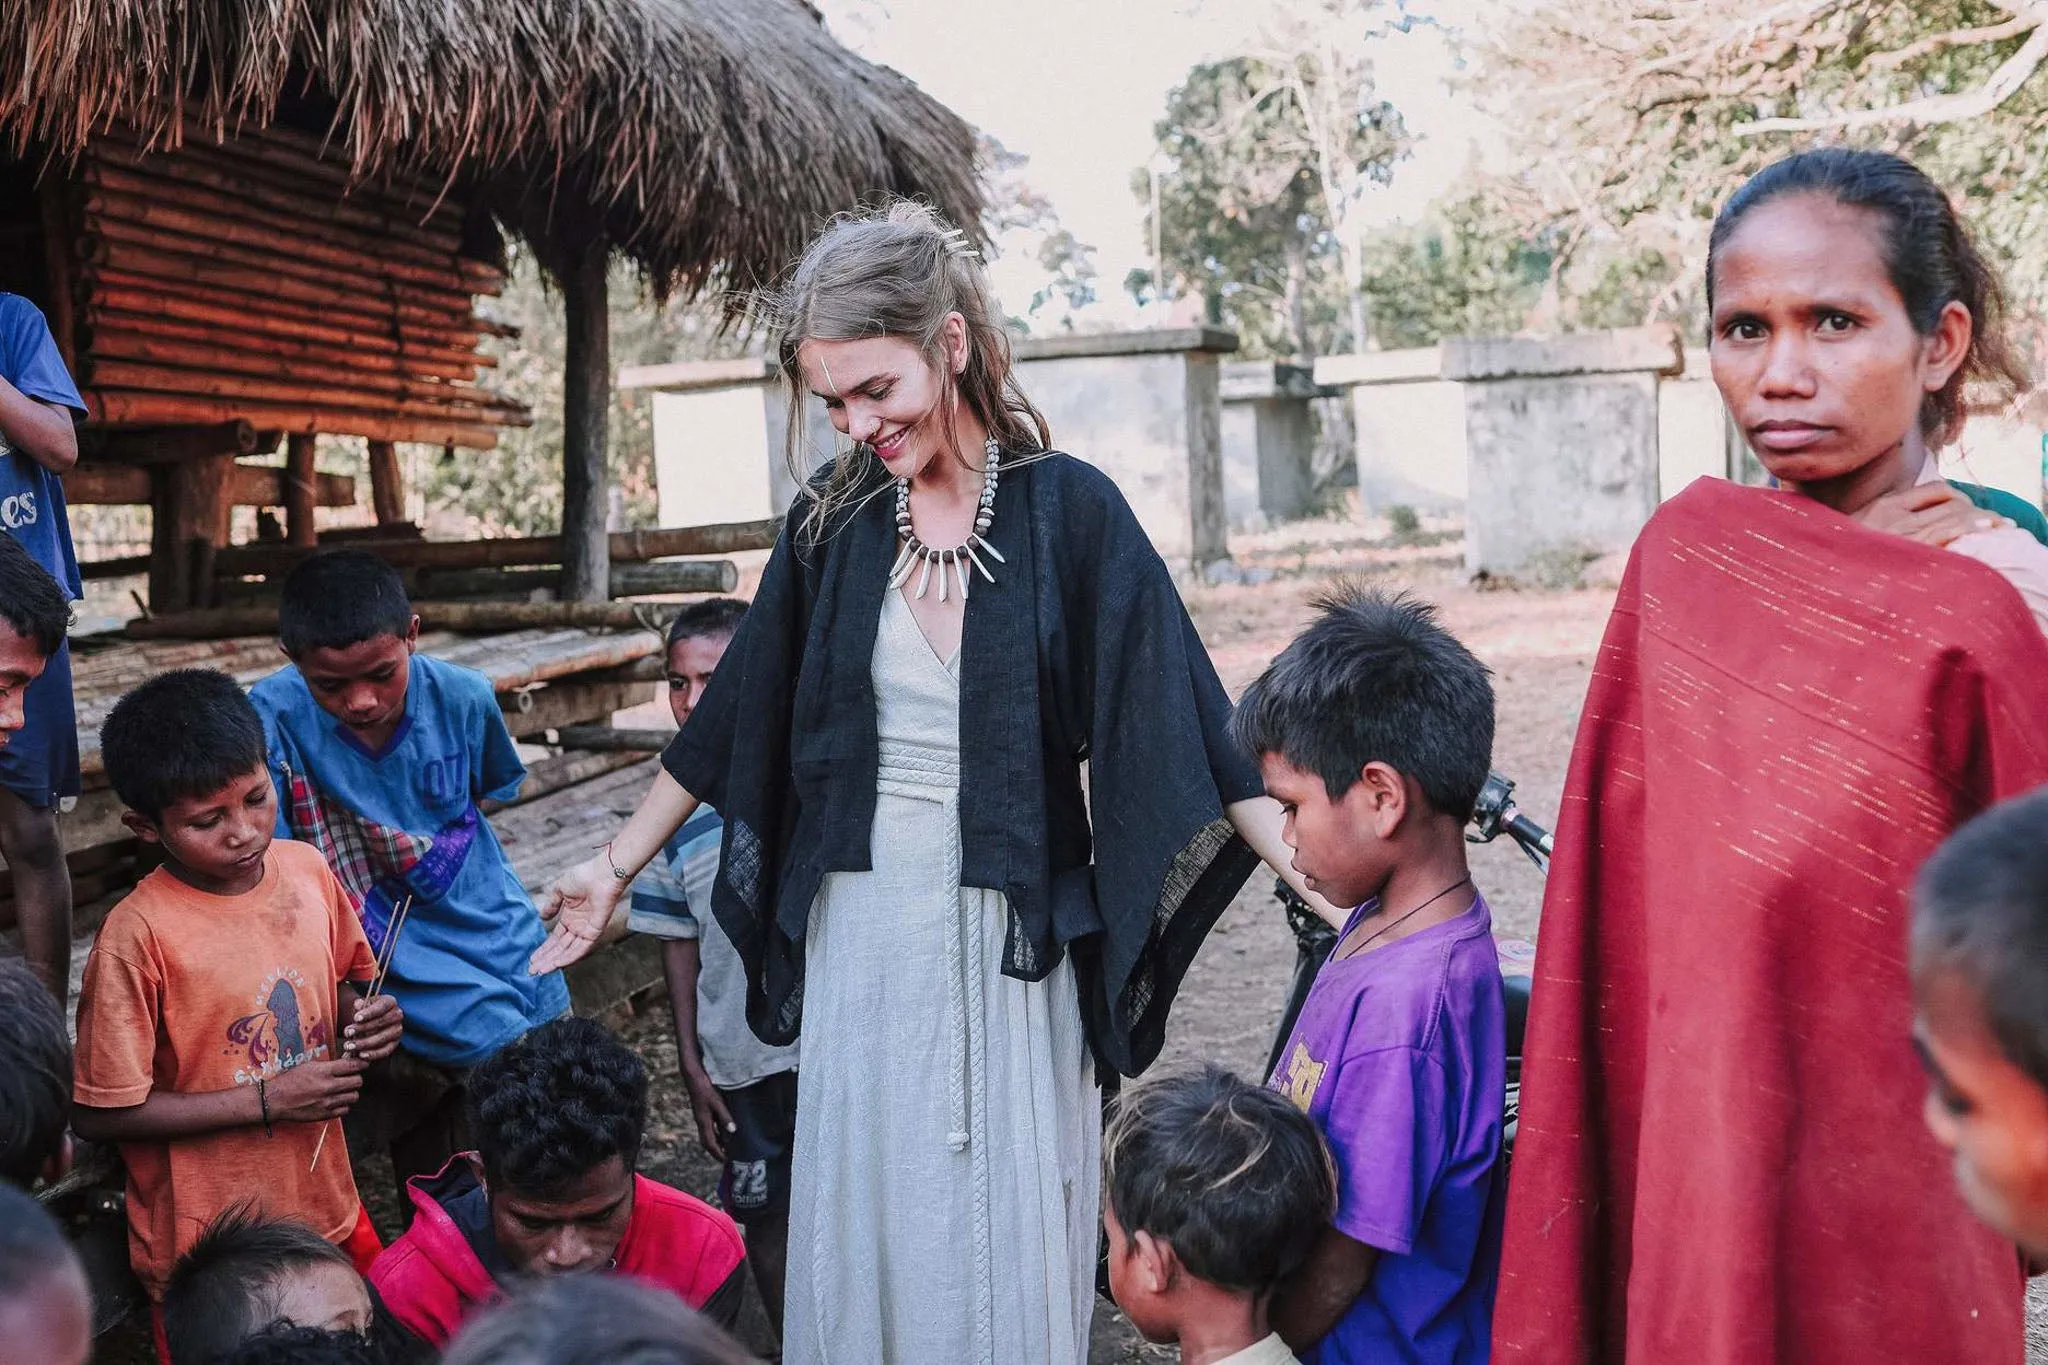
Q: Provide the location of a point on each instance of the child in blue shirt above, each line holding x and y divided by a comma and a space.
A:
380, 755
39, 766
1374, 731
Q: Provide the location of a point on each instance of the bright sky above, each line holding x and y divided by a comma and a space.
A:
1076, 85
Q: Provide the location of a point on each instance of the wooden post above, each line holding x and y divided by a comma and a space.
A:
387, 484
190, 519
586, 408
298, 490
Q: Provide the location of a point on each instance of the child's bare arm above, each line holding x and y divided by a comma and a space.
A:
680, 961
1323, 1290
311, 1092
42, 431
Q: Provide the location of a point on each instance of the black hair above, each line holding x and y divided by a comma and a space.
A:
1230, 1175
712, 616
30, 600
292, 1345
555, 1105
1980, 909
35, 1074
32, 1245
223, 1290
1927, 251
594, 1320
1375, 678
188, 732
339, 598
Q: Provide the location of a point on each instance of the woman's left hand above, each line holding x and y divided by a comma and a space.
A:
1931, 513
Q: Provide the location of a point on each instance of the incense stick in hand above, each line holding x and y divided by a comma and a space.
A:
383, 969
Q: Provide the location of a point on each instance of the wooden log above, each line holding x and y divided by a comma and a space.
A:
341, 390
653, 668
183, 185
371, 298
586, 420
636, 546
392, 373
235, 233
627, 579
476, 617
219, 324
189, 514
387, 483
568, 703
546, 776
609, 739
168, 445
309, 175
244, 486
109, 288
299, 491
106, 330
125, 566
127, 407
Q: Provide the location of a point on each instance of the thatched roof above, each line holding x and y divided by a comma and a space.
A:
714, 135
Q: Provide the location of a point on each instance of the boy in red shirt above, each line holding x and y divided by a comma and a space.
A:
551, 1190
219, 1033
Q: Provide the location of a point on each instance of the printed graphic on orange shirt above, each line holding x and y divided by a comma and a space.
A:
278, 1035
1301, 1076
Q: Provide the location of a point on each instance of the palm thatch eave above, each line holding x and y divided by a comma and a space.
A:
704, 139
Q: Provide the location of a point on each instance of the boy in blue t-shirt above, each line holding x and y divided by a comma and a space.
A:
380, 755
39, 767
1374, 731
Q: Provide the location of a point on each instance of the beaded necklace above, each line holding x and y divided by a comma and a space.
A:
954, 561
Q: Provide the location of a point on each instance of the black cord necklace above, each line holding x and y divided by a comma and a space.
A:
1369, 939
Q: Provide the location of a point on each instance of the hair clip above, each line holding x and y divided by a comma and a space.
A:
957, 245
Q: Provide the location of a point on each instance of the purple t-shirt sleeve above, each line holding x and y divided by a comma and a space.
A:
1386, 1128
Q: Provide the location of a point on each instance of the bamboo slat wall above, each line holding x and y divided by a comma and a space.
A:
249, 280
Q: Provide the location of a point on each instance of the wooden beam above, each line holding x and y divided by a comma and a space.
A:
609, 739
189, 519
586, 414
299, 491
168, 445
631, 546
568, 704
387, 483
220, 623
243, 485
627, 580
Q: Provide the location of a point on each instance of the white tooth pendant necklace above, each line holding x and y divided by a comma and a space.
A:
920, 558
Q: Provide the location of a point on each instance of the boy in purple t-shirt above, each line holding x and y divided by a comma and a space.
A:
1374, 730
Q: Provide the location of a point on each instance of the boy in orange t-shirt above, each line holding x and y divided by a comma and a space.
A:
208, 1020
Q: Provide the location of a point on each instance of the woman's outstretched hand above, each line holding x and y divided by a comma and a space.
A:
579, 907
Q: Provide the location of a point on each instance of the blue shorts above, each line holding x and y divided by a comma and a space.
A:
39, 763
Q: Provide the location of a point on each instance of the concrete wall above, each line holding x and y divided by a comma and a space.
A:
1145, 408
1563, 442
719, 439
1269, 441
1410, 428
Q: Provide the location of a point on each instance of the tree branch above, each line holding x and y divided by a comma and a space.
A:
1961, 37
2001, 86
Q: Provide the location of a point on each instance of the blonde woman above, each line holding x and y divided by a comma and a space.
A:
955, 623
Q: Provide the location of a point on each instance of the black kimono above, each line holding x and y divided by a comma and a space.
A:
1079, 653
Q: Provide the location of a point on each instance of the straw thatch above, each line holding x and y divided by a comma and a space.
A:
706, 139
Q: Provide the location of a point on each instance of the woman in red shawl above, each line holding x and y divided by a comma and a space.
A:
1720, 1160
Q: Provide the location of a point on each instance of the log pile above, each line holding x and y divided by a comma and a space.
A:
251, 280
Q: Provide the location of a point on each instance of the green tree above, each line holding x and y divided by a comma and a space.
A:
1253, 177
1021, 220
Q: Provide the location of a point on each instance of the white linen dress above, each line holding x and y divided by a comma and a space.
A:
948, 1144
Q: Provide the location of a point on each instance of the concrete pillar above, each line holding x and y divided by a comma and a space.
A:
1563, 441
1269, 440
1409, 423
1146, 408
720, 430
